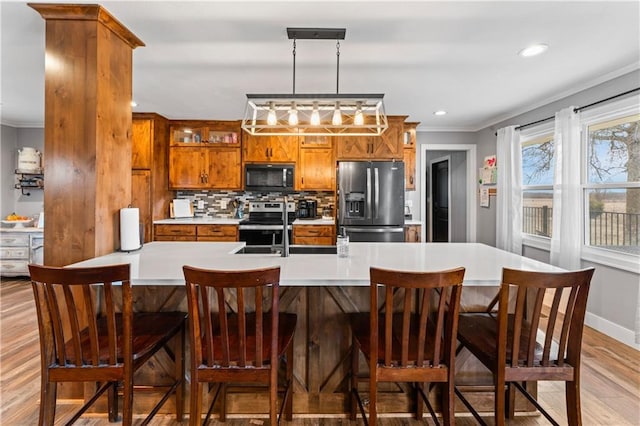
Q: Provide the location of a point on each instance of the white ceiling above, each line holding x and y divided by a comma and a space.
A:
201, 58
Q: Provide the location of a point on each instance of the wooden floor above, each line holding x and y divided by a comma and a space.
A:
610, 378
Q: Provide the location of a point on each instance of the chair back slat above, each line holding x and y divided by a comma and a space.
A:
238, 331
418, 321
535, 321
74, 323
566, 314
92, 326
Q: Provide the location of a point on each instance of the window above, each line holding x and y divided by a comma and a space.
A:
612, 183
537, 183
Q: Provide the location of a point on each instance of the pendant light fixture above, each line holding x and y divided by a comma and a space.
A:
315, 114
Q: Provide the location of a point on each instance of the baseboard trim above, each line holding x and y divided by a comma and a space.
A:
611, 329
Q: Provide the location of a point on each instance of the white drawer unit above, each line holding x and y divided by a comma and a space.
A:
17, 250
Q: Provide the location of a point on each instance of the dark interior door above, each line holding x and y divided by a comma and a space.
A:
440, 197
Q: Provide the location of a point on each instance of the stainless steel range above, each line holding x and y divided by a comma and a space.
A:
263, 226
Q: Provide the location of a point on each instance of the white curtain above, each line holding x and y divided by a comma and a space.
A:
566, 234
509, 190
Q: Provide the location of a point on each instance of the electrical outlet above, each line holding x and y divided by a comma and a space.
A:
223, 205
201, 204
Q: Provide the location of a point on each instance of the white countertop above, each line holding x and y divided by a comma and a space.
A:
412, 222
160, 263
30, 229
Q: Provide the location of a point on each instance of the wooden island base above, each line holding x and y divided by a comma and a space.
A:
322, 348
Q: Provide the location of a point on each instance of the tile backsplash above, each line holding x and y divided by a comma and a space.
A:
219, 204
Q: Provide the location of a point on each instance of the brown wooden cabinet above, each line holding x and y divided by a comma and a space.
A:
150, 192
412, 233
387, 146
277, 149
314, 234
185, 232
410, 145
205, 155
316, 165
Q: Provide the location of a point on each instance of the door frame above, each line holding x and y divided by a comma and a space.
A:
472, 173
429, 206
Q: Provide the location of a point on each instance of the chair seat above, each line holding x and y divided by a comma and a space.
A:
479, 333
286, 327
150, 332
360, 323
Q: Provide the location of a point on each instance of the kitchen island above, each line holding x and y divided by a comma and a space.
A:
321, 289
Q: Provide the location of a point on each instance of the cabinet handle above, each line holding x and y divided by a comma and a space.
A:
206, 178
411, 179
266, 152
270, 152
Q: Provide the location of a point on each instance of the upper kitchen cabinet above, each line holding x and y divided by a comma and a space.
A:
387, 146
410, 144
269, 149
316, 164
149, 186
205, 155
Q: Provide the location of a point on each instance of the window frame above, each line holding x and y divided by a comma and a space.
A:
528, 135
607, 112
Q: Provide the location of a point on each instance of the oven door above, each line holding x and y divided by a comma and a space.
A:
254, 235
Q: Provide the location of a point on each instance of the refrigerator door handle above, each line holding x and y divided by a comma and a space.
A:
373, 230
368, 206
376, 201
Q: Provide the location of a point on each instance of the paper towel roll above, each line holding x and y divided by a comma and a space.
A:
129, 229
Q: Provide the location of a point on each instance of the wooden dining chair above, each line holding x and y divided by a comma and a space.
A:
89, 333
523, 342
408, 337
238, 335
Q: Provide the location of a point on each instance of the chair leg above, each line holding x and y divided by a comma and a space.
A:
510, 402
112, 402
195, 406
48, 393
419, 401
574, 409
127, 402
273, 397
355, 352
500, 394
448, 402
288, 408
373, 398
223, 402
180, 373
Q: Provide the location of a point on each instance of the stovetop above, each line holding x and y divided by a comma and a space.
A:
268, 213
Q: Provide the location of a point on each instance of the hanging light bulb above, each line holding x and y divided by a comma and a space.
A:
337, 115
293, 115
358, 118
315, 115
272, 120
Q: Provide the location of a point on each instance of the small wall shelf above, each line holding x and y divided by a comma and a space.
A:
29, 180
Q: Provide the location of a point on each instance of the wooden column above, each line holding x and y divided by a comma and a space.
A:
88, 92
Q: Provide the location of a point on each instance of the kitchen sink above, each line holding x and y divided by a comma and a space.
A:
293, 249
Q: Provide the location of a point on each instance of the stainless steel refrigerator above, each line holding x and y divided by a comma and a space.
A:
371, 200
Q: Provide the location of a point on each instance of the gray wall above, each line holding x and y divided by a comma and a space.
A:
614, 294
12, 199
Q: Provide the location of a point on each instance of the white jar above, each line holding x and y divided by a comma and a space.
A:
29, 160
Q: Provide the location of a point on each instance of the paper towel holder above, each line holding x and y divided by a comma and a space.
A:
140, 232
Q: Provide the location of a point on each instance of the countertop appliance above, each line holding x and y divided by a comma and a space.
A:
371, 200
307, 209
263, 225
269, 177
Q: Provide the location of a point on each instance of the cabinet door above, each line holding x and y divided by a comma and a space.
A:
410, 169
217, 232
256, 148
316, 170
224, 168
314, 235
353, 147
283, 149
315, 141
142, 140
141, 198
389, 145
188, 167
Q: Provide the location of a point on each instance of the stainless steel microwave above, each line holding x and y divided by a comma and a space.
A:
269, 177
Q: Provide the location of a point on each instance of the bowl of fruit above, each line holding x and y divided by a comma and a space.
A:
17, 221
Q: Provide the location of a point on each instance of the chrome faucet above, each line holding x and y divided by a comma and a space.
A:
285, 229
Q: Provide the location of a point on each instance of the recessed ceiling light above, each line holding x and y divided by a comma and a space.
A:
134, 104
533, 50
440, 112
